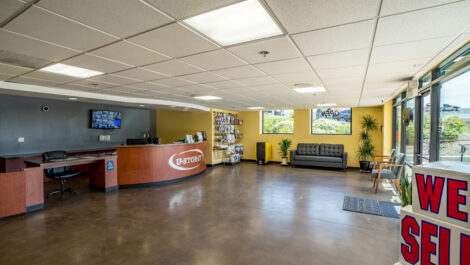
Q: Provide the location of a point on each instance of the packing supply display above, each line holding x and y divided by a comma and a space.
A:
223, 118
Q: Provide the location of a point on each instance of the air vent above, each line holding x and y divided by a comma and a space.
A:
22, 60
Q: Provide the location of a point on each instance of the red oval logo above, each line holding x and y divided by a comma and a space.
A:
187, 160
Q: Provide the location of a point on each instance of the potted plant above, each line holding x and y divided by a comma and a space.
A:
406, 191
366, 148
284, 145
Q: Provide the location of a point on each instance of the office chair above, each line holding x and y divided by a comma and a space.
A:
60, 173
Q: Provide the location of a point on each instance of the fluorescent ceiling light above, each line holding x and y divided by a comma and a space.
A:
236, 23
69, 70
73, 98
207, 97
326, 105
255, 108
311, 89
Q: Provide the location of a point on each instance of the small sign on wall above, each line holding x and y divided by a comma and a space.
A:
110, 165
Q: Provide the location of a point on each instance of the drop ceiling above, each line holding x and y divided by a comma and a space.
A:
361, 51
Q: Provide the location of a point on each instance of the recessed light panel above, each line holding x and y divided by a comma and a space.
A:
207, 97
255, 108
69, 70
237, 23
326, 105
312, 89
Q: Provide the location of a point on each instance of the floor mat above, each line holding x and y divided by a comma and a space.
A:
371, 206
362, 205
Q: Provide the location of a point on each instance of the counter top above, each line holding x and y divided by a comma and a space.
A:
156, 145
71, 150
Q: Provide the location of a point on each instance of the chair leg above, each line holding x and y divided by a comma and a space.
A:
397, 184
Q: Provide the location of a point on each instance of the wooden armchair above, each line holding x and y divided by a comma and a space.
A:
388, 170
381, 159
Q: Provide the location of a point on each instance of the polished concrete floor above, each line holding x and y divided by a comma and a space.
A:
245, 214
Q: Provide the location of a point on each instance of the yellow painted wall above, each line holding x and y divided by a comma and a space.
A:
251, 133
173, 125
387, 127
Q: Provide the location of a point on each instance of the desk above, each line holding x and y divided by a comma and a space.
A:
147, 165
102, 170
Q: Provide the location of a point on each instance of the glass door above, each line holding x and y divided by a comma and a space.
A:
454, 119
425, 128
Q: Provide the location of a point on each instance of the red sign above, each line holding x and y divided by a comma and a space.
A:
187, 160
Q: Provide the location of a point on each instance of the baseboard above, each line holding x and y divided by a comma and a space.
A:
214, 165
160, 183
108, 189
36, 207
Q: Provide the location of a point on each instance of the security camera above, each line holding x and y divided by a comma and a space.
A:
45, 108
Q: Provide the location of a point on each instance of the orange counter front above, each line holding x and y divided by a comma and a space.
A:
142, 165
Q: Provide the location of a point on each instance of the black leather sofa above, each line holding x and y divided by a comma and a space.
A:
319, 155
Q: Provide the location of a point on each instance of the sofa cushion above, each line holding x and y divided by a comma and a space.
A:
331, 150
326, 159
308, 149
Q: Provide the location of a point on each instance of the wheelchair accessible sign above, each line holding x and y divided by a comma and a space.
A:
110, 165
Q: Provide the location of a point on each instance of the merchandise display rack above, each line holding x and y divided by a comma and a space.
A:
227, 137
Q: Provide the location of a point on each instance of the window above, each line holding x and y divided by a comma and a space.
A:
458, 61
454, 119
331, 121
278, 121
425, 80
426, 128
397, 127
409, 125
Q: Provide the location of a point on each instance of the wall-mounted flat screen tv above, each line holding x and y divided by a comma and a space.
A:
105, 119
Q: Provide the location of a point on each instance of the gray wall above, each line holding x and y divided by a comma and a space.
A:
64, 126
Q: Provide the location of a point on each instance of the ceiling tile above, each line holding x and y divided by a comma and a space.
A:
304, 15
336, 39
74, 86
195, 89
95, 84
118, 17
19, 44
173, 68
13, 70
173, 82
130, 53
5, 76
254, 81
212, 60
51, 77
409, 50
140, 74
127, 89
398, 6
92, 62
300, 77
408, 66
114, 79
57, 30
350, 71
444, 20
150, 86
174, 40
239, 72
342, 82
224, 84
204, 77
9, 8
183, 9
285, 66
34, 81
278, 48
339, 59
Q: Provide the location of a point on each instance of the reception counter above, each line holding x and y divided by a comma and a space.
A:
146, 165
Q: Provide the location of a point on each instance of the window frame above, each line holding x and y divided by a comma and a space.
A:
262, 122
342, 134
